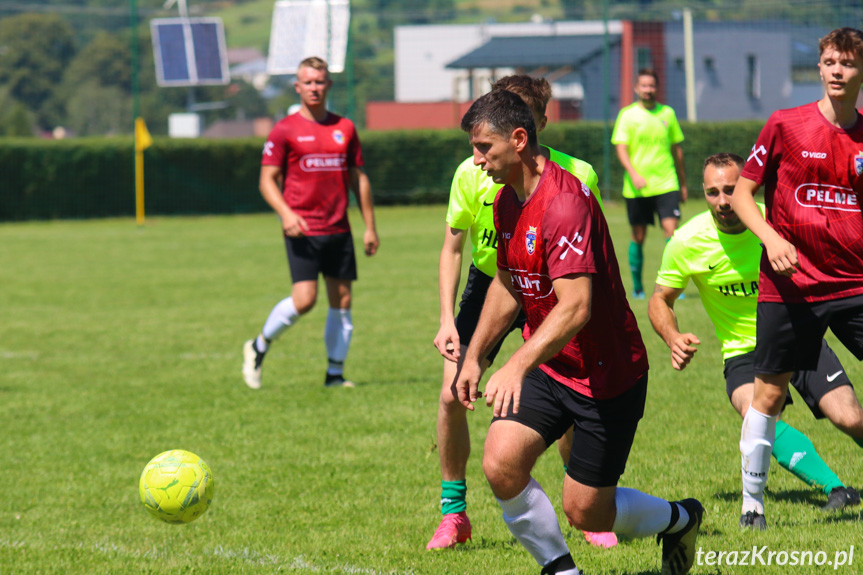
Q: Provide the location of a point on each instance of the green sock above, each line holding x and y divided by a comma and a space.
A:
636, 263
452, 496
794, 452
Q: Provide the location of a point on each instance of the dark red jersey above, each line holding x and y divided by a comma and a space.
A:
316, 158
561, 230
812, 173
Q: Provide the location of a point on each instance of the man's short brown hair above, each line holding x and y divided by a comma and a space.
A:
723, 160
536, 92
649, 72
843, 40
315, 63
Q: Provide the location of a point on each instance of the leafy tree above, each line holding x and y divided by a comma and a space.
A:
94, 109
34, 52
15, 119
104, 60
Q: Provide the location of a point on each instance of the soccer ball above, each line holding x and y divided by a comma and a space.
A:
176, 486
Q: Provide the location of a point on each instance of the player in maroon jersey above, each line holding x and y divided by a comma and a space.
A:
583, 360
810, 161
316, 155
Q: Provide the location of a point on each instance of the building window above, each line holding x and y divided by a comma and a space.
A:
643, 58
753, 77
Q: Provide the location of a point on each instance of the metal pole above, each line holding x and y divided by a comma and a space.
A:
138, 155
349, 77
606, 104
689, 59
133, 23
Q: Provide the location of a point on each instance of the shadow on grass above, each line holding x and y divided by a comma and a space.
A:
483, 543
808, 496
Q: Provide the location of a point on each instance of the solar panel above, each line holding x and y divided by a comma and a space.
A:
189, 51
303, 28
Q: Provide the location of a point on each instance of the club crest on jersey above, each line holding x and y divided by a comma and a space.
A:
339, 136
530, 239
857, 162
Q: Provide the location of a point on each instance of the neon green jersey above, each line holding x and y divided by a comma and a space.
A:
725, 269
472, 196
649, 135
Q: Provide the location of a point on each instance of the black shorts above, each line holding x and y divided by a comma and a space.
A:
604, 428
811, 385
788, 336
472, 300
331, 255
641, 210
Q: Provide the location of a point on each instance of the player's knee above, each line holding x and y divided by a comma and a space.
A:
583, 517
449, 401
304, 305
851, 422
502, 481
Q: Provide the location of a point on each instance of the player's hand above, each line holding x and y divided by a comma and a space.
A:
782, 256
294, 226
682, 350
638, 181
503, 388
447, 342
467, 384
371, 242
684, 193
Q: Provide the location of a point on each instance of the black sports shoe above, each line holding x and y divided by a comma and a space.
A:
337, 381
753, 520
678, 549
562, 563
840, 498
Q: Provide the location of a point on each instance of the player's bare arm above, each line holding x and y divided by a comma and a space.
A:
270, 184
447, 340
498, 312
781, 254
362, 187
570, 314
677, 154
623, 155
660, 309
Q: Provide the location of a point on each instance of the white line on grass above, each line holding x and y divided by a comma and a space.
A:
298, 563
6, 354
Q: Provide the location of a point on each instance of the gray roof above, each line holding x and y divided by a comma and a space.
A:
535, 51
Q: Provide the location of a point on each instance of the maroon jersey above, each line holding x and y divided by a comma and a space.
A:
561, 230
316, 158
812, 173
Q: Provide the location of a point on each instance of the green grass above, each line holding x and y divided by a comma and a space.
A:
117, 343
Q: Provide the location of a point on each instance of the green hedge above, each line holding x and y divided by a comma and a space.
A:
82, 178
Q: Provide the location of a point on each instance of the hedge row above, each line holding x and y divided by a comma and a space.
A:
84, 178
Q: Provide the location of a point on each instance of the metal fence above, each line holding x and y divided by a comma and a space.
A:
414, 68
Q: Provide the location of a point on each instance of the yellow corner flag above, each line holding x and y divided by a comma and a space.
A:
143, 139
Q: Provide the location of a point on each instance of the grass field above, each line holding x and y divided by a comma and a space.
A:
117, 343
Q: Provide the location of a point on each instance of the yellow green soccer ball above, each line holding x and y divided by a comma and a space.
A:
176, 486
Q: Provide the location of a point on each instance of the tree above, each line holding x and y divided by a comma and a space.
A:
104, 60
34, 52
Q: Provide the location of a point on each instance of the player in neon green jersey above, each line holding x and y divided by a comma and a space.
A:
647, 139
470, 210
716, 251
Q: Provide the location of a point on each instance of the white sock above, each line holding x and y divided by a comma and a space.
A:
756, 445
337, 335
531, 518
283, 316
641, 515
